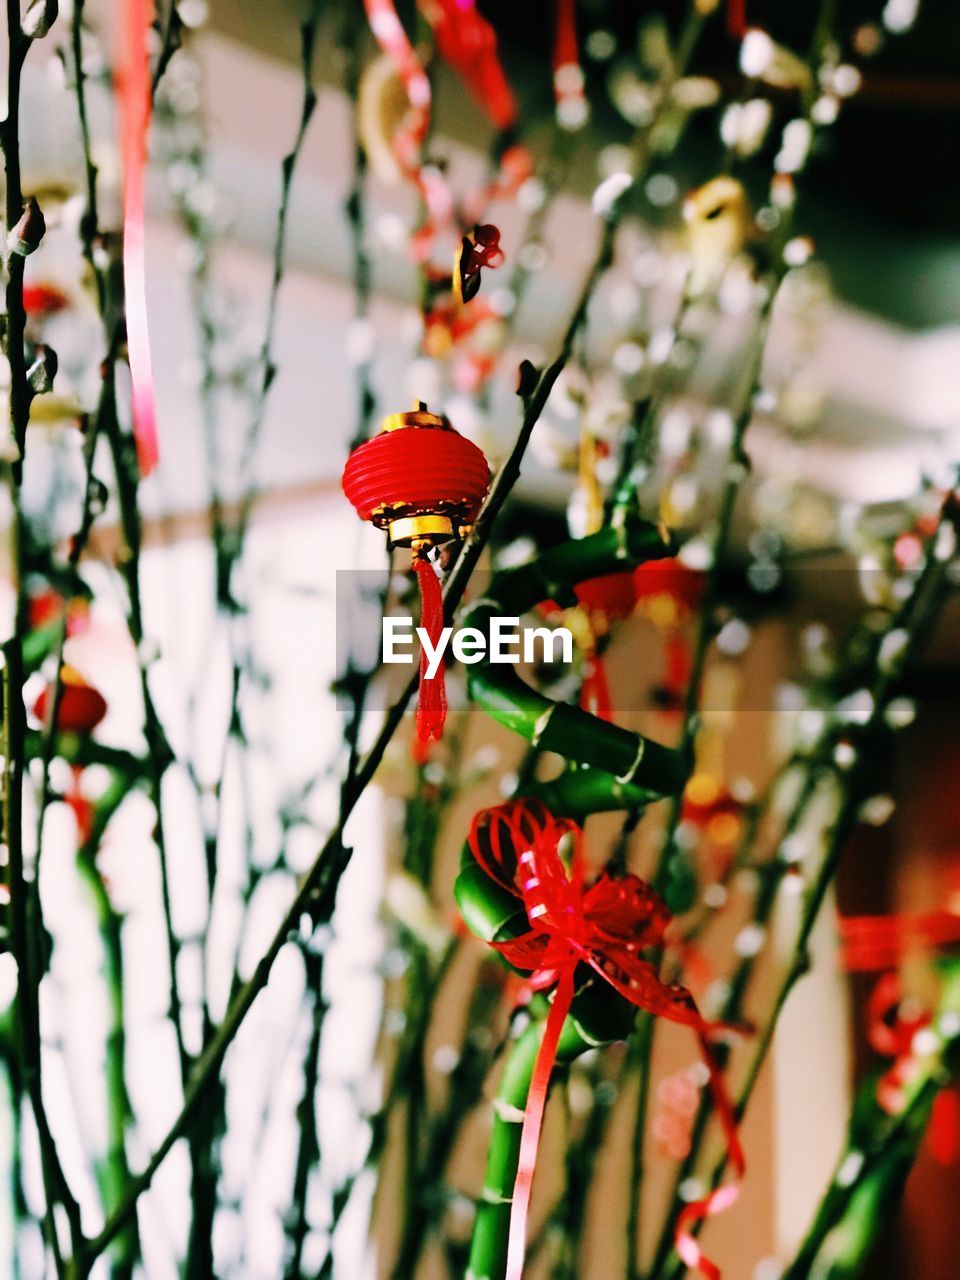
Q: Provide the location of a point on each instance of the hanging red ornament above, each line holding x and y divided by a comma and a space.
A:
133, 87
467, 41
481, 248
669, 593
424, 483
81, 708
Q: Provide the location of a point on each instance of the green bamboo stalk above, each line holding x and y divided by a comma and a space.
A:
594, 1020
627, 759
880, 1149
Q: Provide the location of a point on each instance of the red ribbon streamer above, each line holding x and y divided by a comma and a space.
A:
565, 49
606, 926
392, 39
737, 18
871, 943
467, 41
134, 90
432, 704
567, 72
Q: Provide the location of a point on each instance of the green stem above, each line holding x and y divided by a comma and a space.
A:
25, 925
114, 1172
627, 759
488, 1247
881, 1149
640, 1047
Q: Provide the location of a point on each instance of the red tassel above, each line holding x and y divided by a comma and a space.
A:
432, 706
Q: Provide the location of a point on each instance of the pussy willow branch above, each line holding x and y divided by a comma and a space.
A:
425, 976
77, 547
705, 635
169, 27
318, 888
308, 1145
125, 469
914, 618
722, 529
308, 39
351, 42
22, 904
316, 894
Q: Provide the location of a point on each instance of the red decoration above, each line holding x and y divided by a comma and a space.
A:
134, 89
613, 595
891, 1031
669, 584
710, 808
84, 811
605, 925
410, 137
47, 607
737, 18
43, 299
871, 943
943, 1136
567, 72
468, 42
481, 248
424, 483
669, 592
81, 708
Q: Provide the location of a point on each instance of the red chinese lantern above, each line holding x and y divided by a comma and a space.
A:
669, 592
81, 707
424, 483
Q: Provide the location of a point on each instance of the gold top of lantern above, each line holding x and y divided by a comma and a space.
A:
419, 416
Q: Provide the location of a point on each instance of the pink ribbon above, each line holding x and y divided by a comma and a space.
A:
134, 91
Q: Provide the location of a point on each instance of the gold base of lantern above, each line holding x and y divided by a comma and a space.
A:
431, 528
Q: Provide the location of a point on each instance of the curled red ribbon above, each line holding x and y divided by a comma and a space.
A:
408, 143
605, 925
134, 92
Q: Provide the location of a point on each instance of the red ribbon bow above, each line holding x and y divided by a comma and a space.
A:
606, 925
